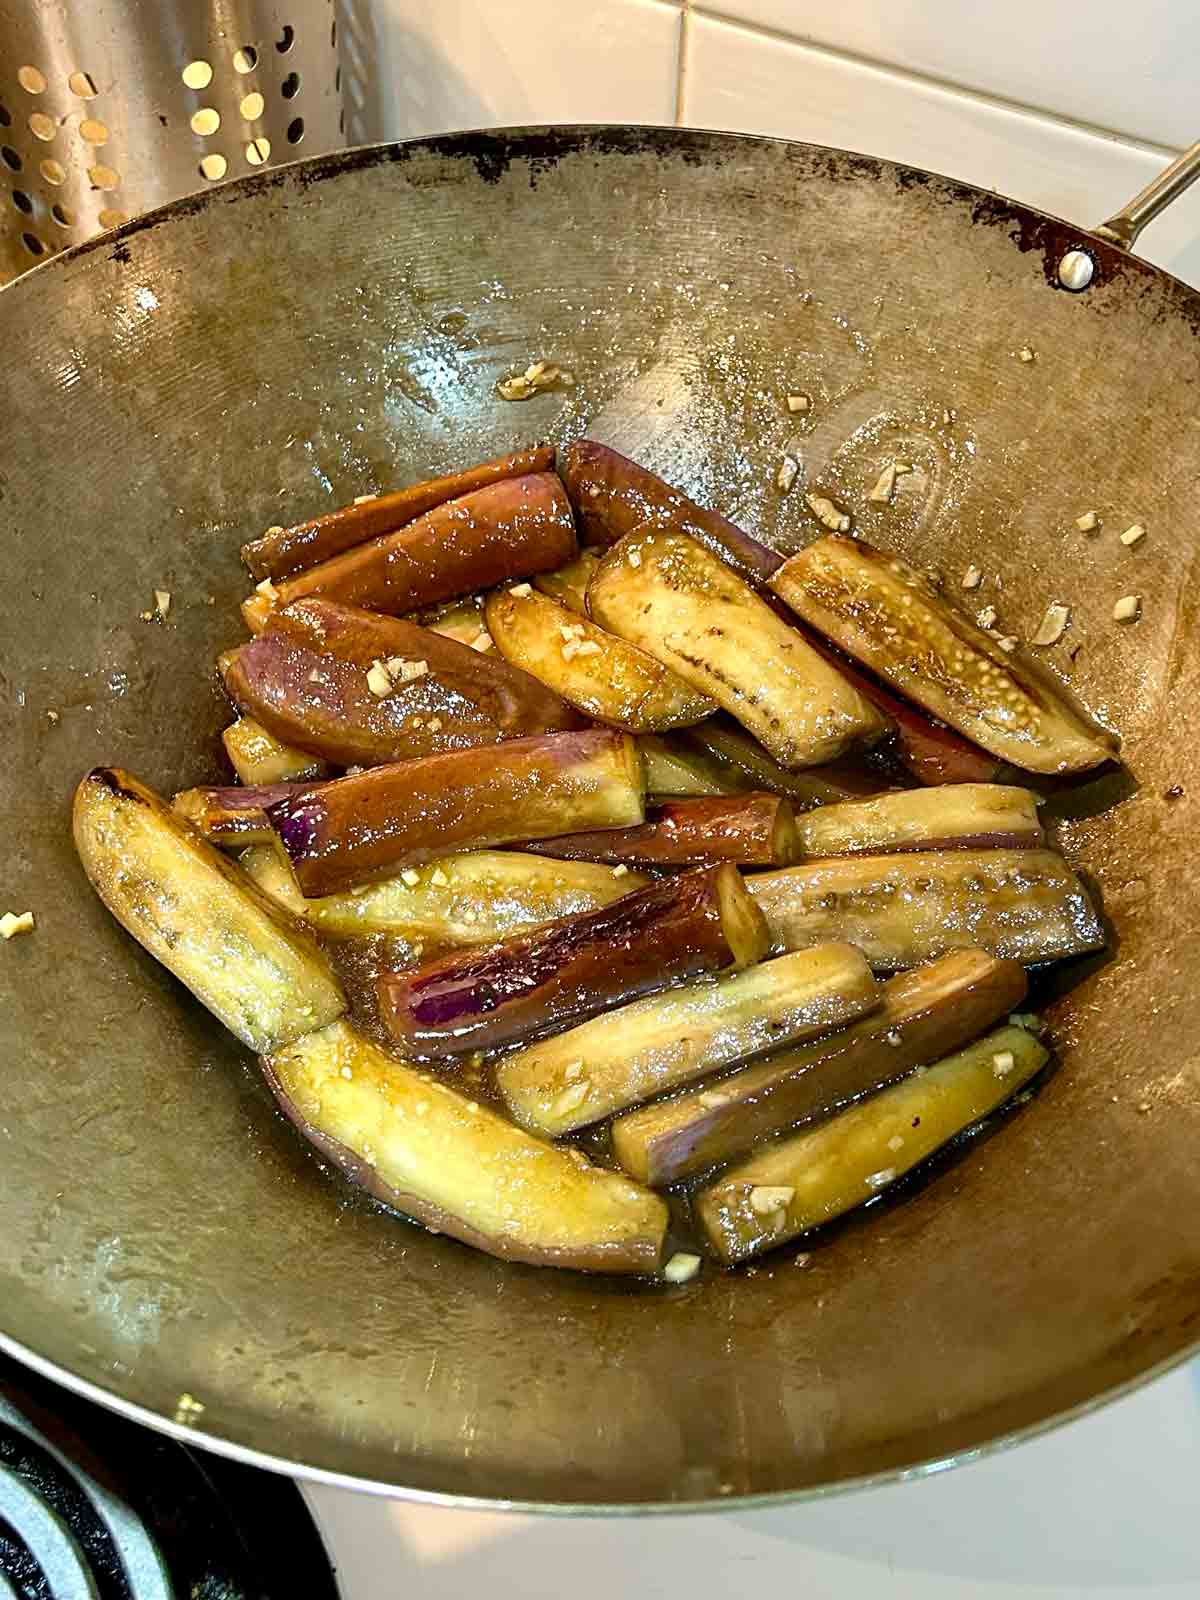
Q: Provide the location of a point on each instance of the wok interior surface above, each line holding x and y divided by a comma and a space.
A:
337, 327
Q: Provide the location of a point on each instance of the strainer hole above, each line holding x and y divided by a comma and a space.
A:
83, 85
104, 177
290, 87
53, 171
42, 127
31, 80
286, 39
213, 167
252, 107
93, 132
245, 59
33, 244
295, 130
5, 117
337, 79
63, 215
10, 158
258, 151
206, 121
197, 74
333, 34
22, 201
110, 218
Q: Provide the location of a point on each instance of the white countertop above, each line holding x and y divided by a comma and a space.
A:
1107, 1506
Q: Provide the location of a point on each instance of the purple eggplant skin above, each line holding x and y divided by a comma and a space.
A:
511, 529
233, 815
672, 930
283, 552
749, 830
305, 679
613, 495
363, 828
925, 1015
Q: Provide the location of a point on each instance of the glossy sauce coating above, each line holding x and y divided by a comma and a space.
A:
282, 552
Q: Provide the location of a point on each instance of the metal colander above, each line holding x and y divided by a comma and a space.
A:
109, 107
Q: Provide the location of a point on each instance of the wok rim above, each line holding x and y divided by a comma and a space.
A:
520, 141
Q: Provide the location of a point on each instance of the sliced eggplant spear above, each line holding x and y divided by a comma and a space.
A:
924, 1014
469, 899
656, 1044
676, 929
925, 747
509, 530
890, 617
359, 829
677, 768
568, 584
602, 675
797, 1183
235, 816
748, 763
424, 1148
955, 816
613, 496
200, 915
259, 758
901, 910
282, 552
666, 593
360, 689
752, 830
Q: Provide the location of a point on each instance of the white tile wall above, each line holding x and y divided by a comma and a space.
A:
1021, 96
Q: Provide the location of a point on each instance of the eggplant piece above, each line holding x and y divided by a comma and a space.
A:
234, 816
955, 816
568, 585
509, 530
756, 830
361, 689
930, 751
461, 620
900, 910
924, 1015
260, 759
677, 769
195, 911
722, 739
798, 1183
669, 931
419, 1145
604, 676
888, 615
282, 552
359, 829
613, 496
656, 1044
467, 899
666, 593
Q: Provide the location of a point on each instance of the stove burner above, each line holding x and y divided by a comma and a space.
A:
93, 1507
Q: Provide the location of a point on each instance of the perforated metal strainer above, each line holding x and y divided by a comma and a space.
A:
110, 107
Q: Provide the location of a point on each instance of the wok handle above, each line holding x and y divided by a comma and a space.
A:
1124, 228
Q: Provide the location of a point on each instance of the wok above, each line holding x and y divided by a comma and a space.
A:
337, 326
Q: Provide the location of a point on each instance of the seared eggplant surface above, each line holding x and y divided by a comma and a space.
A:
598, 887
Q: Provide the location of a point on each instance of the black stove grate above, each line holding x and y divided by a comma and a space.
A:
93, 1507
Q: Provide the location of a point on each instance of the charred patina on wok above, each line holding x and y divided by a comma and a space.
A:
633, 999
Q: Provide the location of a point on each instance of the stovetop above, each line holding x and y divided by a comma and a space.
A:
96, 1508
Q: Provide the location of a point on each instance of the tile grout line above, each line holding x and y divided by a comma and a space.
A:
681, 61
928, 80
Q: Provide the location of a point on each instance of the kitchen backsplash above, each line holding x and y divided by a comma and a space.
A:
1068, 107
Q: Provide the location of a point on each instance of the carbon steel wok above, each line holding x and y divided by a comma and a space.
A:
338, 326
